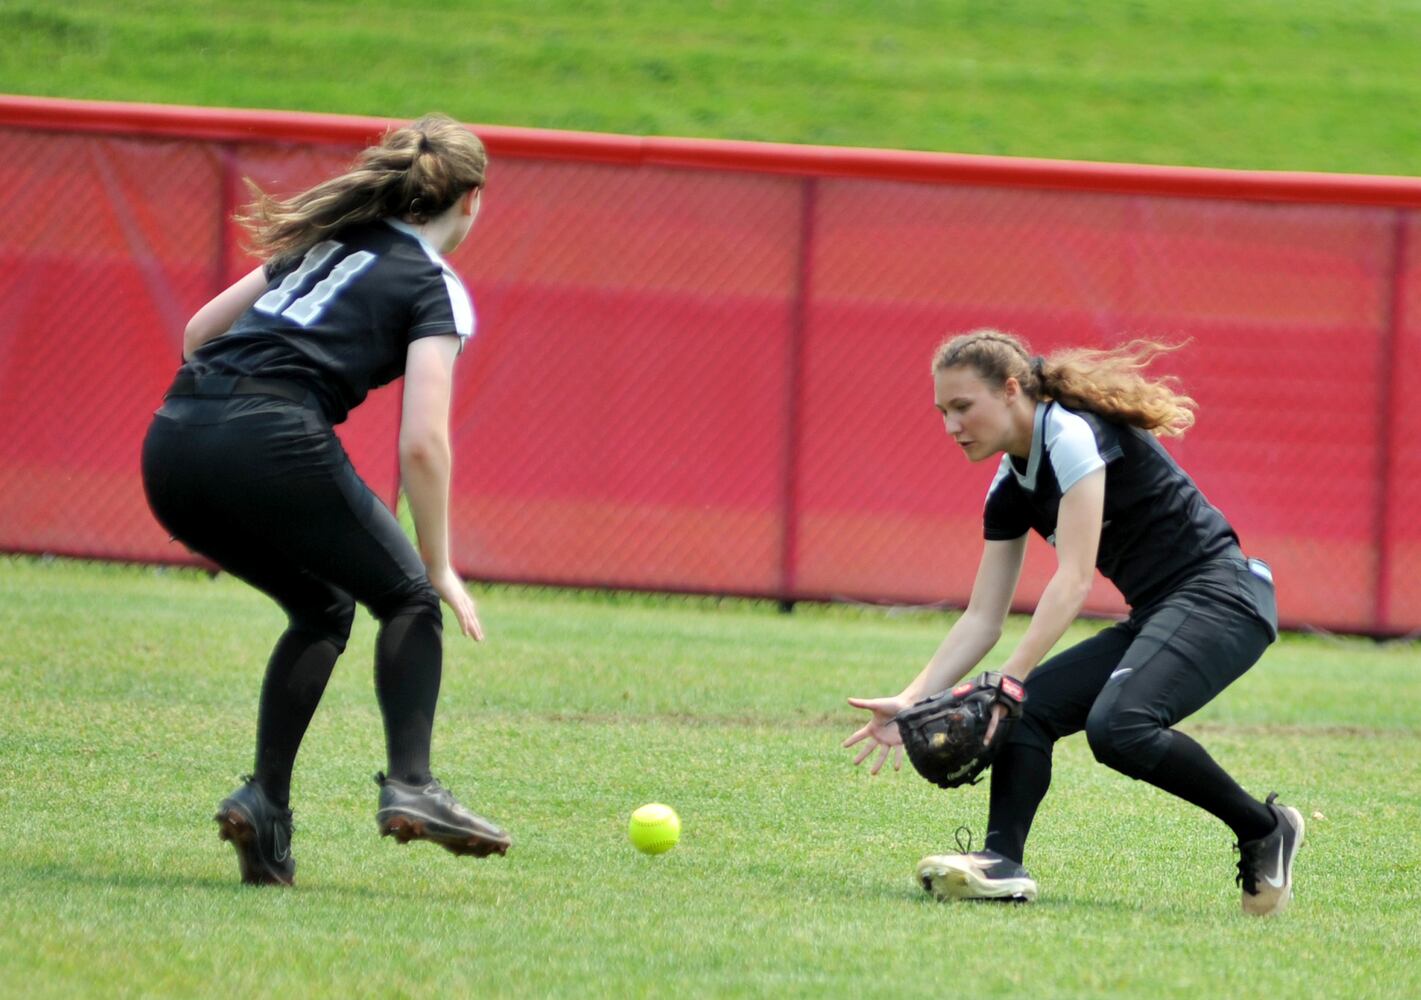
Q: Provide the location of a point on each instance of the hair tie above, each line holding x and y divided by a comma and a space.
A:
1038, 368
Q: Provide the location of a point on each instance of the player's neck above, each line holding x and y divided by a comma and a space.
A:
1023, 427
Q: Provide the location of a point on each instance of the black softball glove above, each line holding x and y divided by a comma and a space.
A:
946, 735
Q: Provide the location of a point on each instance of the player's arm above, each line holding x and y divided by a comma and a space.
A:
426, 465
979, 628
1078, 524
217, 317
970, 639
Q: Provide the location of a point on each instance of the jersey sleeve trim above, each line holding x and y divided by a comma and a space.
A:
1002, 534
460, 303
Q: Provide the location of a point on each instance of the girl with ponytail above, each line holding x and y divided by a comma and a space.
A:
1081, 464
242, 466
417, 173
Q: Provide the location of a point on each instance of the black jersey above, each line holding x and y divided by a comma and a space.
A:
339, 319
1158, 527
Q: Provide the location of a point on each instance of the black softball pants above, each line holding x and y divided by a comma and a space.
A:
263, 488
1128, 685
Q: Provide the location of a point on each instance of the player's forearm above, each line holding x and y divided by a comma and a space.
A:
1060, 603
967, 642
424, 472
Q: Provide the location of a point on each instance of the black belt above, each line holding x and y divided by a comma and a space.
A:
222, 386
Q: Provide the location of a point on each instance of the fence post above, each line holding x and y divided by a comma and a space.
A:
794, 389
1388, 401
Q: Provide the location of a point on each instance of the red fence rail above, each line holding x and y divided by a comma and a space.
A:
702, 366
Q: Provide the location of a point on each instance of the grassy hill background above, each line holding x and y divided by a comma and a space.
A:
1308, 85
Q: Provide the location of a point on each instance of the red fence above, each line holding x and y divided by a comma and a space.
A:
703, 366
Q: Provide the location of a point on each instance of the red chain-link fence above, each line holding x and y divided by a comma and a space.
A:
703, 366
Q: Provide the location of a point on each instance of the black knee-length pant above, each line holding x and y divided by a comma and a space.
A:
1129, 684
263, 488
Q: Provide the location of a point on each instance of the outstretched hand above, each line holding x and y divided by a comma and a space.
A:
880, 730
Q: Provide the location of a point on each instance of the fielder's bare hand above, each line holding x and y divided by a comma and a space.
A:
451, 591
881, 730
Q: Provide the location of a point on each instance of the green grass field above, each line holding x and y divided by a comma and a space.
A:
130, 699
1304, 85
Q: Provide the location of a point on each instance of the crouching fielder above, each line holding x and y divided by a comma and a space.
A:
1082, 467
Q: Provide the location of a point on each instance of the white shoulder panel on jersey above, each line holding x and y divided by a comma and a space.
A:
1071, 445
460, 304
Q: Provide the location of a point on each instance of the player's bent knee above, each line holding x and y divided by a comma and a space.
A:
418, 598
332, 623
1125, 742
1030, 731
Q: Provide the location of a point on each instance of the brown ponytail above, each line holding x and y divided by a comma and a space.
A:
416, 172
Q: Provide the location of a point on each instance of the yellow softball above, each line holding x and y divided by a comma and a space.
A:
654, 828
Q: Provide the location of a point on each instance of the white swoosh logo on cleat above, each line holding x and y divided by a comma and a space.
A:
1277, 883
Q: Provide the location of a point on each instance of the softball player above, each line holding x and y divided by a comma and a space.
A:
241, 465
1081, 466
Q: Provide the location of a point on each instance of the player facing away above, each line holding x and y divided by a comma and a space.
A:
241, 465
1081, 465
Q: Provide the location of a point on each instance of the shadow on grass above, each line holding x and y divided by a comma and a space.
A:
66, 876
1048, 903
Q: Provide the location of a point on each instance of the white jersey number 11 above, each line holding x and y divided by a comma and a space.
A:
308, 308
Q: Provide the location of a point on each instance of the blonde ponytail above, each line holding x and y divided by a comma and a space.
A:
1110, 383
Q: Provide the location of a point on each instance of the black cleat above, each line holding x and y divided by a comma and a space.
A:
260, 830
1265, 865
430, 812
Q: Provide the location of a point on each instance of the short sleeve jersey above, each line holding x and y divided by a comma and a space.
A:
1158, 527
339, 319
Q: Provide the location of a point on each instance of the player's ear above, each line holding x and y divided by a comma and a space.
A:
470, 202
